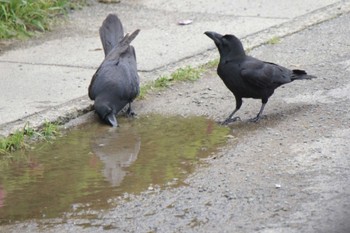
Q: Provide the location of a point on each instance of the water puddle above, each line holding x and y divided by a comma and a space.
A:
93, 163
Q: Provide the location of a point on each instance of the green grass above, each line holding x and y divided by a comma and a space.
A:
20, 139
274, 40
49, 130
211, 64
21, 18
182, 74
12, 143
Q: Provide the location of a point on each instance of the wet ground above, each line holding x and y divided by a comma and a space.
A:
91, 164
287, 173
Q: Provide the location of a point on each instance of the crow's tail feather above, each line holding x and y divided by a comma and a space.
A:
111, 32
122, 46
301, 74
128, 38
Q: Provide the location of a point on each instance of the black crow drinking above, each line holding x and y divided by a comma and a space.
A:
116, 82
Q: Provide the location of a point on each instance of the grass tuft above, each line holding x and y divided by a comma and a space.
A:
12, 143
162, 82
274, 40
211, 64
19, 139
187, 74
49, 130
21, 18
182, 74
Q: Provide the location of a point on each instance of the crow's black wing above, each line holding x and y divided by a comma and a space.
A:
91, 92
264, 74
110, 67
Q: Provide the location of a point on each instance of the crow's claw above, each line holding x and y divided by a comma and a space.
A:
131, 114
230, 120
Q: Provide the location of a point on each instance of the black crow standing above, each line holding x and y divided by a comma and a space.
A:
248, 77
116, 82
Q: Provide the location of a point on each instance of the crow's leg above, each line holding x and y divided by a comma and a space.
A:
255, 119
130, 112
229, 119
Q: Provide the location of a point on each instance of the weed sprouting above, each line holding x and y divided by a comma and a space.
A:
18, 140
13, 142
274, 40
211, 64
20, 19
187, 73
49, 130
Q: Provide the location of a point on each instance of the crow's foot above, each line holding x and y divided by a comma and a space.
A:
255, 119
230, 120
131, 114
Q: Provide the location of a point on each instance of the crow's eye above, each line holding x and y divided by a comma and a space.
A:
226, 40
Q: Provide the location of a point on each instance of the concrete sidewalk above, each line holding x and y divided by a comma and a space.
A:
48, 79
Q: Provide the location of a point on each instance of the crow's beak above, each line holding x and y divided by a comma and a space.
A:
216, 37
110, 118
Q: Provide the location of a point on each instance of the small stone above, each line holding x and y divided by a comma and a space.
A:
185, 22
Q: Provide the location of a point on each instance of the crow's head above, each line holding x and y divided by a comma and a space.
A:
106, 113
229, 46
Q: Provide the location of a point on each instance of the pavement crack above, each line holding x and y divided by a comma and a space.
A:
49, 64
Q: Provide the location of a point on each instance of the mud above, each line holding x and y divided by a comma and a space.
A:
287, 173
